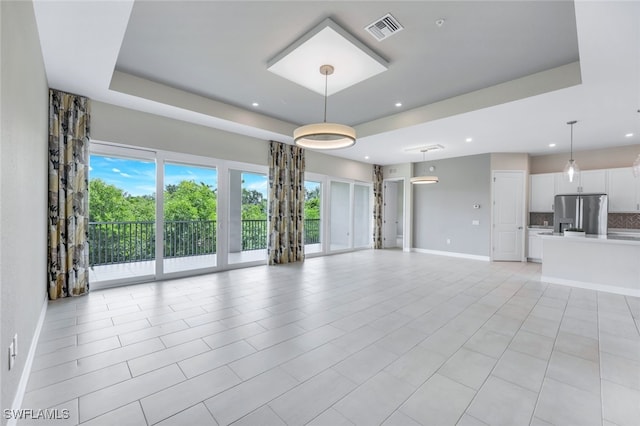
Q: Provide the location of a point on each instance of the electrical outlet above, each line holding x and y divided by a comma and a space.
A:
448, 240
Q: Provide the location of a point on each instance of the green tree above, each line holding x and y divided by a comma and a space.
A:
254, 205
312, 203
108, 203
143, 207
189, 200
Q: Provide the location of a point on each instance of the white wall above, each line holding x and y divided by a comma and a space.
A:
23, 187
110, 123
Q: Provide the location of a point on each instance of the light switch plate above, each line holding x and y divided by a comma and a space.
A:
475, 222
11, 356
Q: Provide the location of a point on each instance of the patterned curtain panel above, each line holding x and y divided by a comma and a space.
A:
68, 195
377, 206
286, 203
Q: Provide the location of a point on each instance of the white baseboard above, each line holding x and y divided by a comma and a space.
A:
26, 372
592, 286
452, 254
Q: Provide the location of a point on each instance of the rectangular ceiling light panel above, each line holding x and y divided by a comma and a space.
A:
331, 45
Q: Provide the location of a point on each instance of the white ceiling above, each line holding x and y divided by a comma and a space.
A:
509, 75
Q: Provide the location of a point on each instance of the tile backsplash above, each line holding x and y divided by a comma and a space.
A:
538, 219
624, 220
616, 220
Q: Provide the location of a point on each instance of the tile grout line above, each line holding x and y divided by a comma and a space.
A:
449, 357
544, 377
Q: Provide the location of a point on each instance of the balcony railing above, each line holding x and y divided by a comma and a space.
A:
126, 242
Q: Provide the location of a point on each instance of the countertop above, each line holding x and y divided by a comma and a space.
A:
610, 239
611, 230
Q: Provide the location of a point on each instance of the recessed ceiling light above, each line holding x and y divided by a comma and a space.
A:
398, 104
255, 104
552, 145
468, 140
628, 135
366, 157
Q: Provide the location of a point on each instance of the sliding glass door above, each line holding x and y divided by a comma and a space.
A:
340, 216
362, 216
247, 223
122, 216
350, 216
312, 217
155, 214
190, 207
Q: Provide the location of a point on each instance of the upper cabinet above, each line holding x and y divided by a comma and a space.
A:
624, 191
620, 184
563, 186
590, 181
593, 182
543, 187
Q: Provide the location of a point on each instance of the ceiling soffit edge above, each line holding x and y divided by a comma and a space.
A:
535, 84
532, 85
140, 87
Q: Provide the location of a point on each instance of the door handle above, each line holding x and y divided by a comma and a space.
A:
519, 227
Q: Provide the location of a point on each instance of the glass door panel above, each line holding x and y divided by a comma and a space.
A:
122, 215
362, 216
340, 216
312, 217
247, 217
190, 217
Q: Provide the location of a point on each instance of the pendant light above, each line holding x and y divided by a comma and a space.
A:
324, 135
571, 169
424, 180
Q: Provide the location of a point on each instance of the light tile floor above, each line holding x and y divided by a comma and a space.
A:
368, 338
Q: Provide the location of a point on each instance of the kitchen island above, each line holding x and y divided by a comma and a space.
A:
604, 263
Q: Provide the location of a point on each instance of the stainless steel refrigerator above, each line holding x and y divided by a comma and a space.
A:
585, 211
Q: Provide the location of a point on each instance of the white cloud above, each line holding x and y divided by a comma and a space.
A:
114, 170
125, 175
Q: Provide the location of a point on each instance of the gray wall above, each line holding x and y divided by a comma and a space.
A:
445, 210
23, 187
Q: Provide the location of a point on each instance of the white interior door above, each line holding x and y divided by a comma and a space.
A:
390, 214
508, 220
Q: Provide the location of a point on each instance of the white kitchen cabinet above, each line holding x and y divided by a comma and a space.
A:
593, 182
534, 244
589, 181
624, 191
542, 191
620, 184
563, 186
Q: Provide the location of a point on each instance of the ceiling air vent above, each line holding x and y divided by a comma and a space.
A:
384, 27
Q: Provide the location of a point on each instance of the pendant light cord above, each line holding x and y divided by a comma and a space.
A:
326, 78
571, 123
571, 141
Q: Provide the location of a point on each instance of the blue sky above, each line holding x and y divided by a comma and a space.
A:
137, 177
